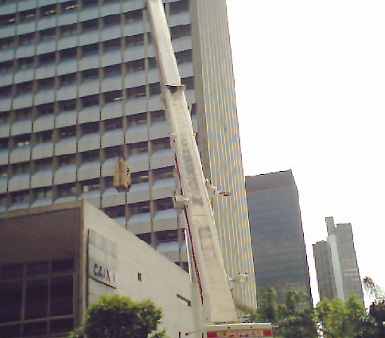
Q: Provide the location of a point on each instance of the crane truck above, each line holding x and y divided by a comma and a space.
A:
219, 317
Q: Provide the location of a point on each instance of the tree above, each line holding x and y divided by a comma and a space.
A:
296, 317
115, 316
341, 318
293, 318
267, 306
374, 323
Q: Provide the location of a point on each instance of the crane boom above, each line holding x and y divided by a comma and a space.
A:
217, 301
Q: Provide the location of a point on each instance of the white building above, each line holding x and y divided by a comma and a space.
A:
56, 260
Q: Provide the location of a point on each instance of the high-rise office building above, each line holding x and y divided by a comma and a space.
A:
79, 89
336, 263
277, 237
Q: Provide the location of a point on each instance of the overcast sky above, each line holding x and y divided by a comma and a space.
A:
310, 85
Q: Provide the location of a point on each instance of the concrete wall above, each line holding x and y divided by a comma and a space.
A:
77, 229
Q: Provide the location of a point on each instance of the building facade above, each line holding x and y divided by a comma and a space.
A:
56, 260
336, 263
280, 259
79, 89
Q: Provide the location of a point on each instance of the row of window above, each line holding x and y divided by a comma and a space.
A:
71, 6
85, 157
39, 298
77, 132
86, 76
95, 101
73, 189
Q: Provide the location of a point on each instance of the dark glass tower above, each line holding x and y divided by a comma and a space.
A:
277, 238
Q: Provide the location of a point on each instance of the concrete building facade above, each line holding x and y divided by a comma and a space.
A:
56, 260
79, 89
277, 238
336, 263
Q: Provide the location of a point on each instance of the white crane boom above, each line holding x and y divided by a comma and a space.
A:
217, 301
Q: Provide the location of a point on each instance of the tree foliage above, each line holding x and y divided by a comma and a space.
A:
341, 318
293, 318
115, 316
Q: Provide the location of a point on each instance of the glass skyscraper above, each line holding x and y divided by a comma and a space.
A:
280, 259
79, 89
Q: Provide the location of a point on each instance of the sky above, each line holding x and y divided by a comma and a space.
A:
310, 88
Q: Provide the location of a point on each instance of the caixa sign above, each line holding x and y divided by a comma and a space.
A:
101, 273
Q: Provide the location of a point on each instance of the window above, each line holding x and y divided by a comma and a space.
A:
28, 15
135, 66
163, 173
112, 45
158, 116
38, 291
7, 20
112, 20
67, 54
90, 74
90, 128
3, 170
139, 177
90, 25
48, 34
24, 88
67, 132
115, 212
90, 101
43, 192
45, 109
145, 237
138, 148
167, 236
66, 160
45, 163
27, 39
111, 71
69, 6
48, 10
90, 50
113, 124
184, 56
45, 136
164, 204
68, 80
69, 30
90, 156
4, 117
68, 105
6, 67
178, 6
66, 190
132, 16
137, 92
26, 63
91, 185
20, 196
180, 31
6, 43
113, 96
140, 118
135, 40
20, 168
4, 143
22, 140
140, 208
47, 84
47, 58
161, 144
